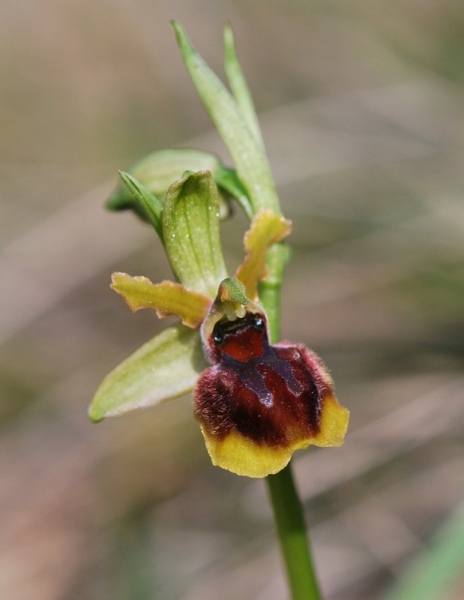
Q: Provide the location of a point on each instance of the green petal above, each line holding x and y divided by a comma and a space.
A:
267, 228
248, 156
157, 171
167, 298
166, 367
191, 233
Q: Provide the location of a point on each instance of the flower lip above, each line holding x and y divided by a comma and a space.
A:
258, 402
272, 403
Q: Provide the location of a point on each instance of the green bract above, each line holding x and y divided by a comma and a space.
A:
234, 124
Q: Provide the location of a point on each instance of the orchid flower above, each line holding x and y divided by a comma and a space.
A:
256, 402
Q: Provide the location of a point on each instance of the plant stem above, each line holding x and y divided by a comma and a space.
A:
289, 519
288, 511
269, 289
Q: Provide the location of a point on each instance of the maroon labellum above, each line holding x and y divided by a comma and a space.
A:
259, 402
267, 393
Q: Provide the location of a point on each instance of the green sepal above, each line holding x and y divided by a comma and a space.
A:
157, 171
145, 204
166, 367
248, 156
191, 233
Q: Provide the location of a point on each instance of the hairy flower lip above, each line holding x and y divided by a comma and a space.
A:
259, 403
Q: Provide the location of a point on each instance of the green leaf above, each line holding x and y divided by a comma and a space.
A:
191, 233
167, 298
166, 367
239, 85
248, 156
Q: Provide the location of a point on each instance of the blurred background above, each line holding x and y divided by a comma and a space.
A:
362, 110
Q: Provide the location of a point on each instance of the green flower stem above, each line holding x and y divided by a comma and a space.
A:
288, 511
291, 527
269, 289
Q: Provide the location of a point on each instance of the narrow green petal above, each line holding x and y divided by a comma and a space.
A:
191, 233
267, 228
167, 298
239, 85
249, 159
166, 367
